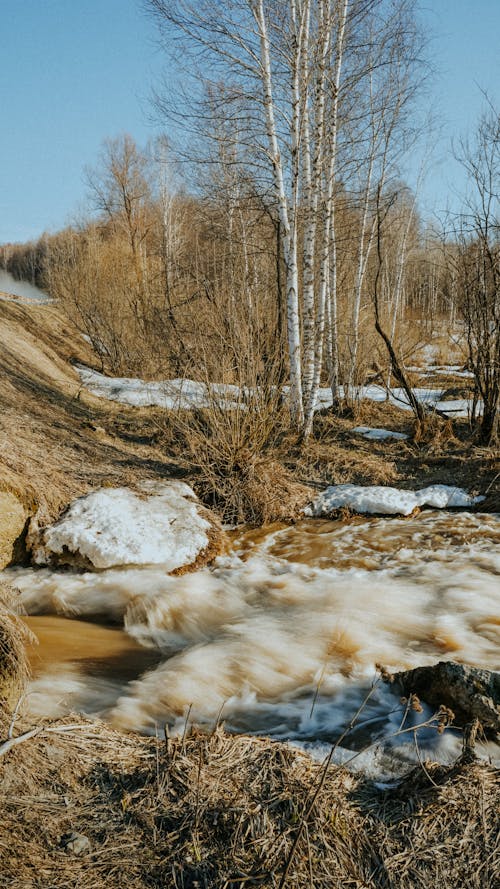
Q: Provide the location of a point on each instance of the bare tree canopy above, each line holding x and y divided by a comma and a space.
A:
311, 99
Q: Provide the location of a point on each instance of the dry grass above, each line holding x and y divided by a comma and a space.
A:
434, 431
218, 811
14, 636
233, 458
57, 441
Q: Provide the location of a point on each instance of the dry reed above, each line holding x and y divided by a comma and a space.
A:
218, 811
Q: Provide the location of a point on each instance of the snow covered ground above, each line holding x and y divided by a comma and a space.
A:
168, 394
160, 524
188, 394
379, 500
376, 434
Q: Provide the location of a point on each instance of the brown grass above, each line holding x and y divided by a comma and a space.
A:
219, 811
434, 431
58, 441
233, 458
13, 660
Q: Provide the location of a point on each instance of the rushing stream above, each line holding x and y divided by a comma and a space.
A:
280, 637
9, 284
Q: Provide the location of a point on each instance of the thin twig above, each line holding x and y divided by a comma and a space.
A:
15, 715
420, 760
184, 733
13, 742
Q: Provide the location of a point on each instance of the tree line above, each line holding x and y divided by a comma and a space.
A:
277, 241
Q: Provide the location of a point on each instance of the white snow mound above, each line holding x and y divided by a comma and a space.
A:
379, 500
376, 434
180, 394
160, 524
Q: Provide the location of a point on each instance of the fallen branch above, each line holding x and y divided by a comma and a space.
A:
32, 733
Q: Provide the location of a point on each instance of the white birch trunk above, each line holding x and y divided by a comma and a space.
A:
312, 301
325, 306
288, 232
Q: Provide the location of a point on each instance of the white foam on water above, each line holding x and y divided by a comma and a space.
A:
282, 636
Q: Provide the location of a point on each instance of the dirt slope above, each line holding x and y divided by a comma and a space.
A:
56, 440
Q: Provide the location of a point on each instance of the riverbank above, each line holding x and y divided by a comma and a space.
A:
91, 807
60, 441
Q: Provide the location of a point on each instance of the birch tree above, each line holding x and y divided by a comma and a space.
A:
476, 258
295, 73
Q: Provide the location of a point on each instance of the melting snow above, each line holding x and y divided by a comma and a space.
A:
188, 394
169, 394
378, 434
160, 524
379, 500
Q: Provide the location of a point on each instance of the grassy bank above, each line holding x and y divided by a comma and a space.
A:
84, 805
59, 441
90, 807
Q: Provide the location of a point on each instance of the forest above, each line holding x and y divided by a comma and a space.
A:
275, 240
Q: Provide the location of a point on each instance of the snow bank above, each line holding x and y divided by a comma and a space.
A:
160, 524
189, 394
379, 500
376, 434
397, 396
168, 394
455, 370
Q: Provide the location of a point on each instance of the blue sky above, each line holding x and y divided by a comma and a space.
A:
75, 71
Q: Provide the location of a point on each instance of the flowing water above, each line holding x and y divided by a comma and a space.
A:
9, 284
280, 637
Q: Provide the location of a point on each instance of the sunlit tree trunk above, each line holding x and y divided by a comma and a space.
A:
288, 231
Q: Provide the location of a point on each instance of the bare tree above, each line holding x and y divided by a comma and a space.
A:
476, 261
120, 188
295, 73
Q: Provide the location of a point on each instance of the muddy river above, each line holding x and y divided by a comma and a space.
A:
280, 637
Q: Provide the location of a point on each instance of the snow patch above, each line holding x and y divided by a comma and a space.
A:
183, 394
168, 394
380, 500
158, 525
376, 434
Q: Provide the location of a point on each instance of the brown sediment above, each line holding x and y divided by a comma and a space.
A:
217, 544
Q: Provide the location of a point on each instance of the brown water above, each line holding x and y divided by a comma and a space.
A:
281, 636
93, 649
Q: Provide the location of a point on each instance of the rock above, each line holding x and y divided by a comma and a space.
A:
470, 692
13, 518
75, 843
